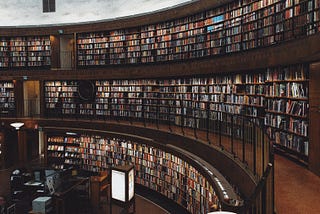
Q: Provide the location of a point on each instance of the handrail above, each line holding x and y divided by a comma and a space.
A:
243, 138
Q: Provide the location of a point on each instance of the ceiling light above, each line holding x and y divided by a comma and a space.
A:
17, 125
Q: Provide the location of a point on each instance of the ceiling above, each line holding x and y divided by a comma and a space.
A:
29, 12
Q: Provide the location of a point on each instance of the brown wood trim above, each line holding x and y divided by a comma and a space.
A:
314, 118
291, 52
118, 23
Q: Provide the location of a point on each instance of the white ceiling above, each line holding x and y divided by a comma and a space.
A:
29, 12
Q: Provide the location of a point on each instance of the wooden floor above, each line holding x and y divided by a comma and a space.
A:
297, 190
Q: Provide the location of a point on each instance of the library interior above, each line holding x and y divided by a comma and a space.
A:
184, 106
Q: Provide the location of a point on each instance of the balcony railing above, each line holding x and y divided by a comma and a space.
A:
244, 138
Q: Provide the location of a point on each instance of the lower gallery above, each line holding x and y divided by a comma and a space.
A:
203, 107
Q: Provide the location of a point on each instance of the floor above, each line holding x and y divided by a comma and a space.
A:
296, 190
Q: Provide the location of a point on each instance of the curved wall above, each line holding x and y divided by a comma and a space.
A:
221, 160
291, 52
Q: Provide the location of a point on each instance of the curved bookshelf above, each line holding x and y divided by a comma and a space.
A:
274, 97
160, 168
231, 28
234, 27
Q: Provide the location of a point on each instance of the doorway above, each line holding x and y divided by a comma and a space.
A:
66, 51
31, 94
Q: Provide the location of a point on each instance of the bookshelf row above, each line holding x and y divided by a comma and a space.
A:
233, 27
21, 52
277, 97
7, 98
155, 168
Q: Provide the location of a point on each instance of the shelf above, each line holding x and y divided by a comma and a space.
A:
230, 28
64, 150
7, 98
23, 52
156, 169
189, 102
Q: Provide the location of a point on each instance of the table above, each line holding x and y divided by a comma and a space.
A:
62, 193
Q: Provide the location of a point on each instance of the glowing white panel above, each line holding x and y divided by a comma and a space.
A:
131, 184
118, 185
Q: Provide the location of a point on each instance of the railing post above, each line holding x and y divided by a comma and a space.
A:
220, 123
243, 141
208, 122
254, 151
232, 134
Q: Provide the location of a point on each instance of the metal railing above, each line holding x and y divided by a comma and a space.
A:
242, 137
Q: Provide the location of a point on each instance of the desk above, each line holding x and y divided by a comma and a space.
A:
62, 193
34, 189
99, 185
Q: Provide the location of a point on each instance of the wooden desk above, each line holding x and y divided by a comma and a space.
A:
99, 185
62, 194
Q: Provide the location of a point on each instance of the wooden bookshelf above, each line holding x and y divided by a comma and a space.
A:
93, 49
155, 168
23, 52
233, 27
39, 51
7, 98
148, 43
287, 92
18, 52
276, 97
133, 47
63, 151
61, 97
4, 52
118, 47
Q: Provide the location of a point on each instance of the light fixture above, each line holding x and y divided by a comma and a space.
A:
17, 125
71, 133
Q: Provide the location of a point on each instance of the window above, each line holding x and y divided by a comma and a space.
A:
49, 6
